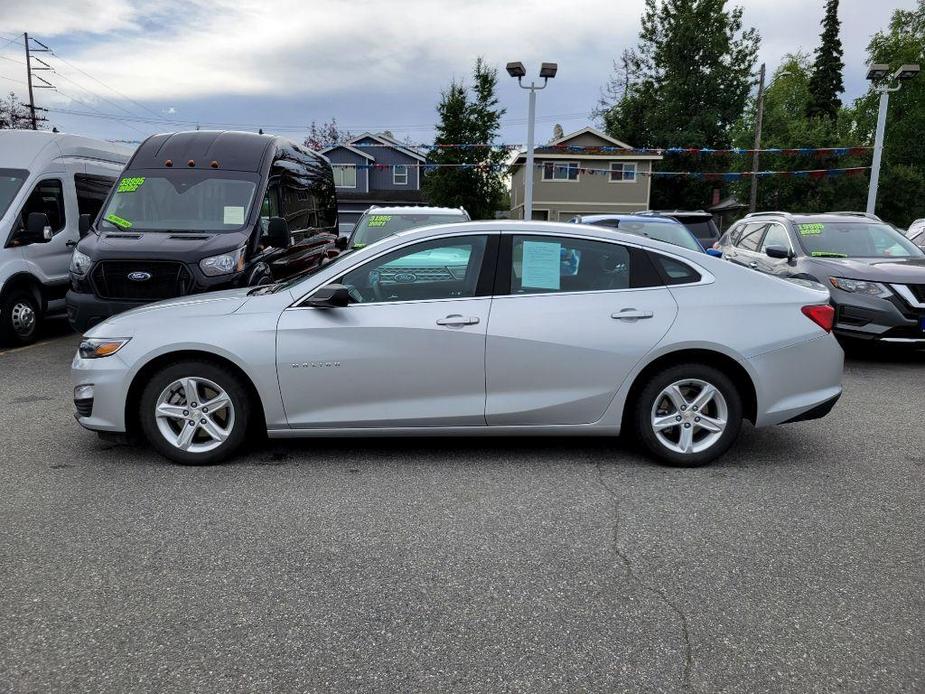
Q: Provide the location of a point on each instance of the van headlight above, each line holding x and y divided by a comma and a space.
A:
223, 264
860, 287
80, 263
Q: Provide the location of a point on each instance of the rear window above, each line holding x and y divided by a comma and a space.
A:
704, 228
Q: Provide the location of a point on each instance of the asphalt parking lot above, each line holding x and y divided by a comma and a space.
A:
795, 564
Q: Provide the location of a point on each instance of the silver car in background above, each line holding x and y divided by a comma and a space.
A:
529, 328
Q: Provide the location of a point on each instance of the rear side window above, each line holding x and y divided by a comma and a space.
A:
750, 238
91, 193
674, 271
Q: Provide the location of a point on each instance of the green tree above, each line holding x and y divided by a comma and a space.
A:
684, 85
13, 114
825, 84
469, 177
902, 177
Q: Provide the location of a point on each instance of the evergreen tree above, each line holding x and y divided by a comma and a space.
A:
826, 83
684, 85
13, 114
471, 180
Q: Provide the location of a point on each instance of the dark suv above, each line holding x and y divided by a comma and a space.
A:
875, 276
699, 222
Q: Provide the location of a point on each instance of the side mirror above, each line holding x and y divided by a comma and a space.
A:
83, 225
341, 242
778, 252
330, 296
38, 230
278, 234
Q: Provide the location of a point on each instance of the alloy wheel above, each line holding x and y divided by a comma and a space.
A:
194, 414
689, 416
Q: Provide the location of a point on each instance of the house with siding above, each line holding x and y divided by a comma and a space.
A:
598, 175
374, 169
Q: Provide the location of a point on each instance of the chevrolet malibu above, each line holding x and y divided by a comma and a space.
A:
529, 328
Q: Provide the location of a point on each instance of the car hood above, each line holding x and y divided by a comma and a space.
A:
196, 305
896, 270
158, 245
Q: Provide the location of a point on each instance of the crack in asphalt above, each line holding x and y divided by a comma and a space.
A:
654, 590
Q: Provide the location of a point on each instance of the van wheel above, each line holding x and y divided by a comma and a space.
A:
20, 317
688, 415
195, 412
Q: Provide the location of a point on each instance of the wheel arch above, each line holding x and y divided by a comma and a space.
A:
140, 379
719, 360
28, 282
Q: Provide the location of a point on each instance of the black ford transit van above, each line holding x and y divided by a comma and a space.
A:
201, 211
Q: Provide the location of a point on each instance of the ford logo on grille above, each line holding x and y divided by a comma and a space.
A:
405, 277
139, 276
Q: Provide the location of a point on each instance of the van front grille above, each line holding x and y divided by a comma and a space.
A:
141, 281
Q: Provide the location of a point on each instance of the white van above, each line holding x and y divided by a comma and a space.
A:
47, 181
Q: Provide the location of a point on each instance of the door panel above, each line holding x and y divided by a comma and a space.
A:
384, 364
560, 358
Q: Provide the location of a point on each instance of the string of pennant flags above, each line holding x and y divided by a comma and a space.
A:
608, 149
566, 169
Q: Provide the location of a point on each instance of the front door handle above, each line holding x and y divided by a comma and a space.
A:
455, 320
631, 314
753, 265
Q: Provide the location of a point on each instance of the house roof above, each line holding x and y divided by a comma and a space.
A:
549, 151
390, 142
587, 131
349, 149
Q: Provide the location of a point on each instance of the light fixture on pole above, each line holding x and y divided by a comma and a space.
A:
759, 118
875, 73
518, 71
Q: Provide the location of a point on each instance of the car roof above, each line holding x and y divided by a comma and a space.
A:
679, 213
813, 217
416, 209
592, 218
20, 149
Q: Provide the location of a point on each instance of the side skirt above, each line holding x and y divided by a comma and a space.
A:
553, 430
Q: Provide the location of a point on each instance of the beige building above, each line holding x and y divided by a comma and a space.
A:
566, 183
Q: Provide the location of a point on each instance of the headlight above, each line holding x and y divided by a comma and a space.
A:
99, 347
223, 264
80, 263
860, 287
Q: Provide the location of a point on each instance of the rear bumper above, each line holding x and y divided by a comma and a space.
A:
818, 412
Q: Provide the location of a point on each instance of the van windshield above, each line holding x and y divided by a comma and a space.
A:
180, 201
11, 181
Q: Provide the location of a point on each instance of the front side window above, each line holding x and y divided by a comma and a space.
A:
400, 175
439, 269
46, 197
622, 172
853, 239
750, 237
776, 236
345, 175
180, 201
374, 227
548, 264
560, 171
11, 181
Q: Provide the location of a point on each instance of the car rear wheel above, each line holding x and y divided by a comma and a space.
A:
195, 412
688, 415
20, 318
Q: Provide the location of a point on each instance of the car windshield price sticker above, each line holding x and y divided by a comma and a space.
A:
233, 215
811, 229
116, 220
541, 265
130, 185
379, 220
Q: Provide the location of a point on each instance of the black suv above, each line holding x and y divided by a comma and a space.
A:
875, 276
699, 222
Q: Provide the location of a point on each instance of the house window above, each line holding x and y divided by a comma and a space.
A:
560, 171
622, 172
400, 175
345, 175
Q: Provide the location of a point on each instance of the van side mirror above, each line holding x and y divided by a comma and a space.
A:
778, 252
278, 234
83, 225
330, 296
341, 242
38, 230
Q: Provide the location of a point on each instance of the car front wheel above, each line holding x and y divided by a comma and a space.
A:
688, 415
195, 412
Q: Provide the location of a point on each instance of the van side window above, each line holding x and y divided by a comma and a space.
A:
270, 206
91, 193
47, 197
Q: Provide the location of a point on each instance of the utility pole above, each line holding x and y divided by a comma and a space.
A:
753, 198
45, 84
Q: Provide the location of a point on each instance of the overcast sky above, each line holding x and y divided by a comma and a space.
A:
371, 64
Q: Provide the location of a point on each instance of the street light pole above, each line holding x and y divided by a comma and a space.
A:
547, 72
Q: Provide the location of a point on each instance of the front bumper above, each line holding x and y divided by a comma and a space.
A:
110, 380
874, 318
86, 310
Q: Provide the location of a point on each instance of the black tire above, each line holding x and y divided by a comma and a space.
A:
642, 415
20, 318
221, 376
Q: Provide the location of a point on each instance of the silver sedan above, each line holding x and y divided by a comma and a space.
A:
484, 328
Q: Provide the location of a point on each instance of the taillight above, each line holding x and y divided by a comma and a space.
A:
822, 315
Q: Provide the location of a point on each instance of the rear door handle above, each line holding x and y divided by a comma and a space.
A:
631, 314
753, 265
456, 320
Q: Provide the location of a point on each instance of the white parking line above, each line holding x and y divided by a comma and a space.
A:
37, 344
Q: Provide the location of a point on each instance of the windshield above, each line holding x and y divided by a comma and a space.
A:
660, 231
11, 181
375, 227
851, 239
180, 201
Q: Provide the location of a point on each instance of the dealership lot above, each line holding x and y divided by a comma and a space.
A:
460, 565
